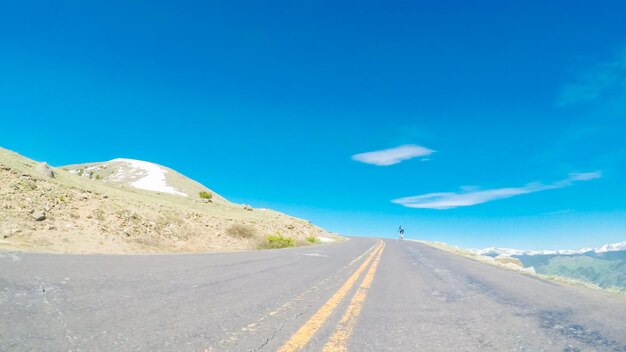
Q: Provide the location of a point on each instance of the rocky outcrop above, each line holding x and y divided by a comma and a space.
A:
502, 259
44, 170
39, 215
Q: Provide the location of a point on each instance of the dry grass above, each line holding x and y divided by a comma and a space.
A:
241, 231
99, 217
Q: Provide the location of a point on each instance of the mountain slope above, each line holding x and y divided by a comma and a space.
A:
142, 175
50, 209
605, 269
604, 266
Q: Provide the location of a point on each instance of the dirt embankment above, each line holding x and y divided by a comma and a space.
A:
60, 212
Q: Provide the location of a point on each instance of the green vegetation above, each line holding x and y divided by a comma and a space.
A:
98, 177
592, 270
604, 273
241, 231
278, 241
205, 195
80, 172
607, 270
313, 239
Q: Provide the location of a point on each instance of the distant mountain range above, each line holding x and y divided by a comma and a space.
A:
604, 266
494, 251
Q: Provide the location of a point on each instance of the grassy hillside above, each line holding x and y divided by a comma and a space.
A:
603, 269
71, 213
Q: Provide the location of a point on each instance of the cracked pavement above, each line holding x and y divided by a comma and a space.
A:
421, 299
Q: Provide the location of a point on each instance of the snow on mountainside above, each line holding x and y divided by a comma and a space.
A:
142, 175
492, 251
611, 247
152, 176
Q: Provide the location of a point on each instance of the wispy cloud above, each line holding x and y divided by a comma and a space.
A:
599, 80
392, 156
471, 196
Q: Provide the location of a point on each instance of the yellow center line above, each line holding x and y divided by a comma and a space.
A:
339, 341
306, 332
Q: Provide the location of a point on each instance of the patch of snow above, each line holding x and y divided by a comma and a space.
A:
325, 239
118, 176
497, 251
153, 179
511, 252
612, 247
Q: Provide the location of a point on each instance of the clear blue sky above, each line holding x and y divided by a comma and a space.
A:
519, 108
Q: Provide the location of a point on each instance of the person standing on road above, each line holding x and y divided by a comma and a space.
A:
401, 231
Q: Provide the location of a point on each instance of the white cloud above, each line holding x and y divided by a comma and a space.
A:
392, 156
470, 196
585, 176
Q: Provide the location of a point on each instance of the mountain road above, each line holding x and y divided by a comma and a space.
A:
363, 294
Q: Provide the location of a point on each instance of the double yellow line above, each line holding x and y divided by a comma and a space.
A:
339, 340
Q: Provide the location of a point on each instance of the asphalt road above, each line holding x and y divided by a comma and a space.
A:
360, 295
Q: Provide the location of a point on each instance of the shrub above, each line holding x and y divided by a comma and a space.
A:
241, 231
205, 195
98, 177
80, 172
278, 241
312, 239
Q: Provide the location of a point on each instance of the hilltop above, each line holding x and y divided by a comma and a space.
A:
142, 175
128, 206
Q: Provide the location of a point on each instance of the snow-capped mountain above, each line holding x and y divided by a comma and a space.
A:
141, 175
491, 251
621, 246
